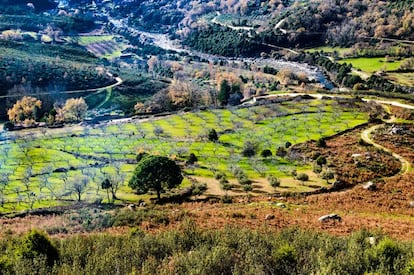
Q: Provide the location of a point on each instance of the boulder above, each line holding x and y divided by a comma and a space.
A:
330, 217
269, 217
371, 186
411, 203
281, 205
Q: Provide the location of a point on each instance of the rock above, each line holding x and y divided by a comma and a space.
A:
330, 217
142, 204
269, 217
372, 240
411, 203
281, 205
356, 155
370, 186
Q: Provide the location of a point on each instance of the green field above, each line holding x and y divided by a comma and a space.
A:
371, 65
29, 159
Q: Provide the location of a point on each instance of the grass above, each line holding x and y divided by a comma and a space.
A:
103, 46
85, 40
101, 150
326, 49
373, 64
406, 79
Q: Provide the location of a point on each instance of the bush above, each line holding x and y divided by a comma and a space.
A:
219, 175
273, 181
8, 126
285, 259
316, 168
281, 152
266, 153
249, 149
36, 244
288, 144
386, 254
321, 160
247, 188
212, 135
321, 143
302, 177
244, 180
192, 159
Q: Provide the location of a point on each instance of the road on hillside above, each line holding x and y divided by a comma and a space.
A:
118, 82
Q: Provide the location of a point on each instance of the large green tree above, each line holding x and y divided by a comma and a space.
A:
156, 173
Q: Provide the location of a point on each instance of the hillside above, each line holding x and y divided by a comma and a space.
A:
206, 137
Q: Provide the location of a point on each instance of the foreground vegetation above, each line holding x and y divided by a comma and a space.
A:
190, 250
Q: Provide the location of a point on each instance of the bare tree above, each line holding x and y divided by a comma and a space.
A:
78, 186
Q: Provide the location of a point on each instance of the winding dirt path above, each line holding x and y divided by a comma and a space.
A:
366, 137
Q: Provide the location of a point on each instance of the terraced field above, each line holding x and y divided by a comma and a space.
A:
104, 46
42, 167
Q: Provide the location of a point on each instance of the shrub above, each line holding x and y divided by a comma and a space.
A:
36, 244
199, 189
273, 181
285, 259
192, 159
316, 168
249, 149
8, 126
386, 254
321, 160
247, 187
266, 153
321, 143
212, 135
244, 180
281, 152
219, 175
302, 177
328, 175
288, 144
227, 199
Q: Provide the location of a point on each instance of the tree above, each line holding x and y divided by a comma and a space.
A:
192, 158
74, 110
212, 135
224, 92
249, 149
79, 185
266, 153
155, 172
112, 184
25, 111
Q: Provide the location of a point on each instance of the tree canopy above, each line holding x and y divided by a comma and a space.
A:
25, 111
156, 173
73, 110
